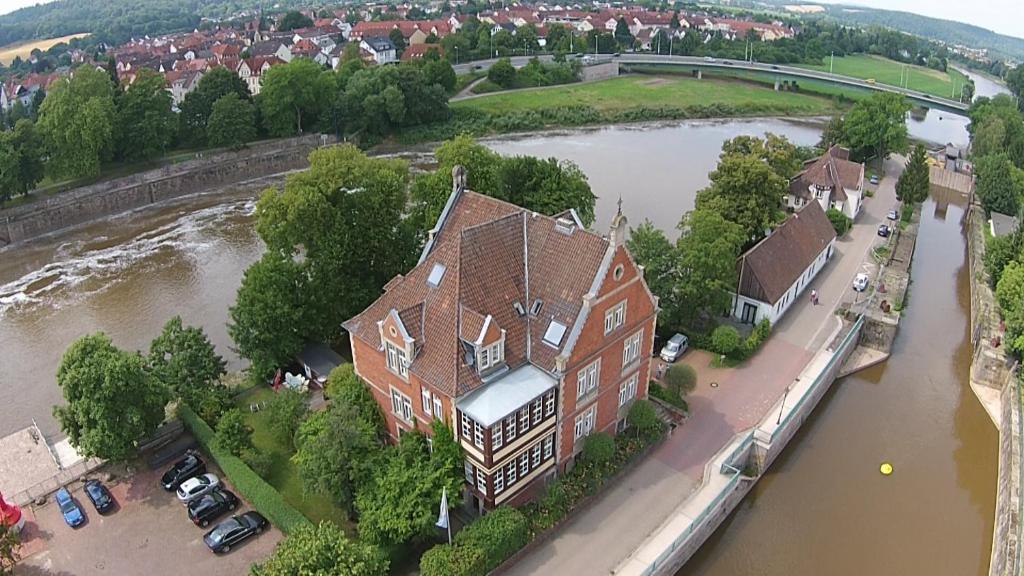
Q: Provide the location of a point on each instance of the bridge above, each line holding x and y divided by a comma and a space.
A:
722, 64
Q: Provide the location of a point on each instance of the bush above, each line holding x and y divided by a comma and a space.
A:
233, 434
757, 337
839, 221
285, 413
499, 534
725, 340
644, 419
502, 73
447, 560
598, 448
250, 485
258, 461
211, 403
667, 396
907, 213
681, 379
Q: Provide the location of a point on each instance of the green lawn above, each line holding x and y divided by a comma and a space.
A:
885, 71
629, 92
283, 474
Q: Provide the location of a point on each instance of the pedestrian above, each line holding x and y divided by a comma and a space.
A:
814, 297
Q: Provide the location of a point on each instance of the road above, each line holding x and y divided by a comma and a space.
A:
597, 540
725, 64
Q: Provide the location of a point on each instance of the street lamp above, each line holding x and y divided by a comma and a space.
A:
456, 54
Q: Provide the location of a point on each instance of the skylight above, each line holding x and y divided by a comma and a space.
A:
554, 333
537, 305
436, 274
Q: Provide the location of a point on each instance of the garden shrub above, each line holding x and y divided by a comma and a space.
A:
644, 419
725, 340
658, 391
449, 560
841, 222
499, 535
757, 337
260, 462
598, 448
233, 434
285, 412
680, 379
249, 485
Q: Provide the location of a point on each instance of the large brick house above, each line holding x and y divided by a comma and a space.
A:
523, 332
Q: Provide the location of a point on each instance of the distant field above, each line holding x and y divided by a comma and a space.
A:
630, 92
9, 53
886, 71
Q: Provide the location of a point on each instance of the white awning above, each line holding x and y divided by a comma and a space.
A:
494, 401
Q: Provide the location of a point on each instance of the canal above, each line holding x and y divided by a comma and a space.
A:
822, 509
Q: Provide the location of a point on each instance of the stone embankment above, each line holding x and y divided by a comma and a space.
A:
107, 198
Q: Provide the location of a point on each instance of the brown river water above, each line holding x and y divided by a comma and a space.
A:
823, 509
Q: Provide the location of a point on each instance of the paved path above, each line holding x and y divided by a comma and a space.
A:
597, 540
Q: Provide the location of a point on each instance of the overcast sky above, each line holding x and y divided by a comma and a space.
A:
1003, 16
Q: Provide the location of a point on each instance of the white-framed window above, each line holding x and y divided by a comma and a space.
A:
627, 390
631, 348
430, 445
401, 405
499, 482
490, 356
587, 378
467, 426
549, 444
397, 362
438, 408
470, 471
615, 317
510, 428
481, 481
496, 439
510, 474
585, 423
538, 410
535, 455
549, 403
427, 402
478, 435
524, 420
524, 464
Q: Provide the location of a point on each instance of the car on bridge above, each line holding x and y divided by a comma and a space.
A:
709, 59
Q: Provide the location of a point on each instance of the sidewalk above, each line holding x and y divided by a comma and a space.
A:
597, 540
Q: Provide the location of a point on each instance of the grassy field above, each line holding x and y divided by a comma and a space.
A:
885, 71
8, 53
630, 92
283, 474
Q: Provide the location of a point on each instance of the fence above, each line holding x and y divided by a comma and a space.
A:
50, 485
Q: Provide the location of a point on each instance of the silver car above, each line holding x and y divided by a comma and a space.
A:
674, 348
860, 282
195, 487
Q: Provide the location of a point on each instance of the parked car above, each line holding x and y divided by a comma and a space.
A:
69, 509
203, 510
874, 179
189, 466
860, 282
234, 530
100, 497
674, 348
195, 487
893, 214
884, 230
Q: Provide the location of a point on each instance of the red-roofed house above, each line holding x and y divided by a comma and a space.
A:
418, 51
833, 180
525, 333
252, 70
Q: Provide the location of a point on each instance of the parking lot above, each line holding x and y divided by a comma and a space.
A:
148, 532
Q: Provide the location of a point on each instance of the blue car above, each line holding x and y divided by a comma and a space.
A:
69, 508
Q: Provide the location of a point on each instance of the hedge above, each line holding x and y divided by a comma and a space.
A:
447, 560
264, 497
499, 535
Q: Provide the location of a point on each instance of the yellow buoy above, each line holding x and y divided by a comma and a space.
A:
885, 468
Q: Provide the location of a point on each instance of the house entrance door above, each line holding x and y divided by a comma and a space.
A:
749, 313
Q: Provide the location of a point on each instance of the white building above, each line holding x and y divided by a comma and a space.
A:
382, 50
831, 179
774, 273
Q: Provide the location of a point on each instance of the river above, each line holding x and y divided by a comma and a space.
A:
822, 509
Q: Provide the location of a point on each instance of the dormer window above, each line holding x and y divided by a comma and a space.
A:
397, 360
490, 356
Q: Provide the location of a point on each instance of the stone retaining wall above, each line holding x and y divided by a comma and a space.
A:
1006, 536
88, 203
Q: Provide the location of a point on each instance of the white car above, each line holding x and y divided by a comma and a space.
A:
195, 487
860, 282
674, 348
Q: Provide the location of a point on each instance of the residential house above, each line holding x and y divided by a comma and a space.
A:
180, 83
831, 179
525, 333
271, 48
251, 70
380, 49
419, 51
773, 274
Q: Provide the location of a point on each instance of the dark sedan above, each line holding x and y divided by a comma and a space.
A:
234, 530
100, 497
189, 466
202, 511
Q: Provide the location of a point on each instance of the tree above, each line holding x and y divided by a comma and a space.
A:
997, 184
344, 387
999, 252
21, 159
232, 122
502, 73
681, 379
1010, 295
9, 544
285, 413
294, 95
622, 34
397, 40
323, 550
197, 105
913, 184
185, 361
877, 125
746, 191
725, 340
233, 434
644, 419
112, 402
598, 449
294, 20
146, 123
269, 316
834, 133
77, 122
440, 72
841, 222
776, 151
708, 247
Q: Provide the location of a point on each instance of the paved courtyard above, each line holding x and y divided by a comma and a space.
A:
599, 538
148, 533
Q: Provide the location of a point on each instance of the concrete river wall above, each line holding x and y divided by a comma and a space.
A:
88, 203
